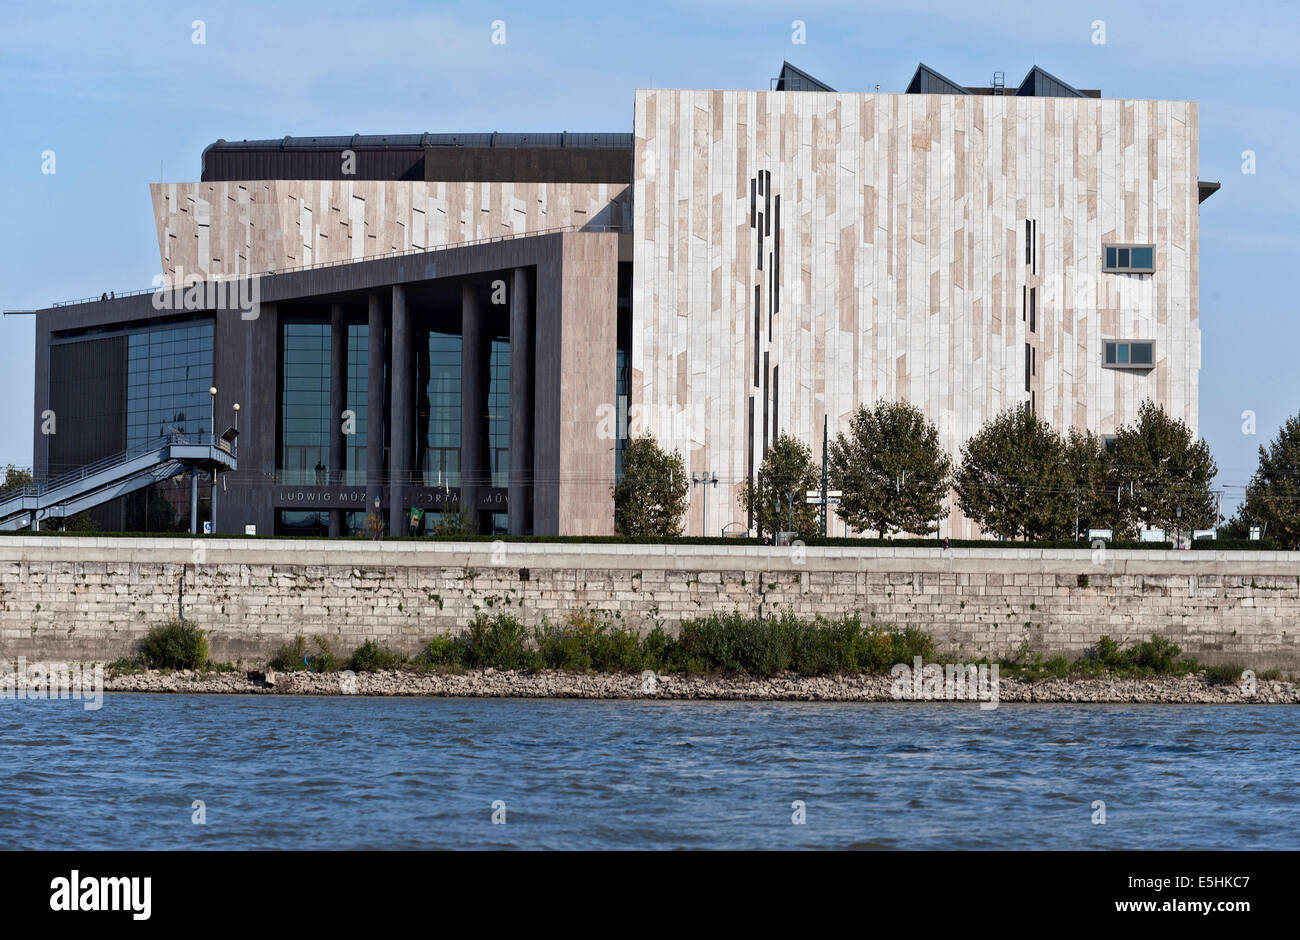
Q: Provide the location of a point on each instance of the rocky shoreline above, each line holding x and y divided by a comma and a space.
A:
490, 683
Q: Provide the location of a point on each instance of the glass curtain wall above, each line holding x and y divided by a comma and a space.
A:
358, 394
305, 418
499, 423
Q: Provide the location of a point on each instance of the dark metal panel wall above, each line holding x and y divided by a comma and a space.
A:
88, 398
221, 165
527, 165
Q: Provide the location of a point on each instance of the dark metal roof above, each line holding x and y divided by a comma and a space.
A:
796, 79
421, 141
927, 81
1040, 83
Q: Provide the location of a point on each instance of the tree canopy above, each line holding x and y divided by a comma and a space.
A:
1013, 479
1273, 496
1158, 469
778, 497
891, 469
650, 498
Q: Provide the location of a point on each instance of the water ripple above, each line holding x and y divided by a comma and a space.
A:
314, 773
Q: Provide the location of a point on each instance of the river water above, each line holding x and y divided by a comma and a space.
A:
276, 772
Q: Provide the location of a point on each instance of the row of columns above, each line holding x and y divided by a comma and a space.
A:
475, 379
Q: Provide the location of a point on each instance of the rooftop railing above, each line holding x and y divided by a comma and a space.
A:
469, 243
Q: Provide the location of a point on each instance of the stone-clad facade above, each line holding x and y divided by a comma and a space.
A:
228, 229
78, 598
814, 252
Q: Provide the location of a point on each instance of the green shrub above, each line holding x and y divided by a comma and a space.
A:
1156, 654
1226, 674
370, 656
289, 657
177, 644
1108, 653
442, 652
498, 642
785, 643
1057, 667
587, 640
323, 658
654, 649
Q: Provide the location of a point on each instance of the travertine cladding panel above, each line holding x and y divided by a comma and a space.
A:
902, 262
233, 228
95, 598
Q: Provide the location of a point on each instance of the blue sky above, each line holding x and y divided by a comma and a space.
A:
123, 97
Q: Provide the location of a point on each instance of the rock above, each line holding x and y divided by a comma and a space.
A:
269, 677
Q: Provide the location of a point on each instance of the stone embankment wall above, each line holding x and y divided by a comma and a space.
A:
95, 598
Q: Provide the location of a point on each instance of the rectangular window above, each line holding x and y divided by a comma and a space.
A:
1130, 355
1130, 259
305, 404
1033, 309
1024, 303
1029, 242
169, 371
1027, 366
498, 412
1035, 369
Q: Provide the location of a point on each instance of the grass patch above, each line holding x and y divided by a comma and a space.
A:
1226, 674
591, 641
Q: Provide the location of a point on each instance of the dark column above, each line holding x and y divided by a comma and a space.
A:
375, 403
521, 403
399, 456
338, 399
473, 400
245, 347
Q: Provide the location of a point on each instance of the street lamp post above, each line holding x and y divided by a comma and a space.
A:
705, 479
212, 432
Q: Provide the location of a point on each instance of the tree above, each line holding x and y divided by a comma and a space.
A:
15, 477
455, 521
1013, 479
778, 497
891, 469
1157, 468
1088, 465
650, 498
81, 522
1273, 496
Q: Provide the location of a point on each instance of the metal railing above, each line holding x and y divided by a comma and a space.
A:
105, 463
469, 243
